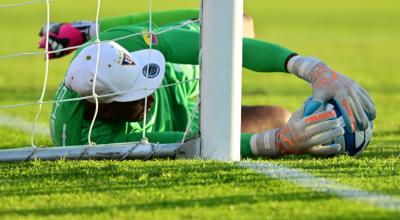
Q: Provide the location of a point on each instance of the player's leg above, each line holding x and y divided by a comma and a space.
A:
256, 119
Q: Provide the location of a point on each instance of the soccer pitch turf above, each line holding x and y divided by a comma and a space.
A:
356, 37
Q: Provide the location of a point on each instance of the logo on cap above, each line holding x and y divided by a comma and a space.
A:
127, 60
124, 58
152, 69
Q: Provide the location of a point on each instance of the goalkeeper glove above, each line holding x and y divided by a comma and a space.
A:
300, 135
327, 84
65, 35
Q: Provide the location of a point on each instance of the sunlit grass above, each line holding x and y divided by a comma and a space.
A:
355, 37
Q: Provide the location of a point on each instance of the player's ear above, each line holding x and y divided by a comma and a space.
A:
248, 26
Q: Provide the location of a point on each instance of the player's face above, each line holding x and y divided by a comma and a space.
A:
119, 111
130, 111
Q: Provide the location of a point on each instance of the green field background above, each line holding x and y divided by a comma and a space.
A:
358, 38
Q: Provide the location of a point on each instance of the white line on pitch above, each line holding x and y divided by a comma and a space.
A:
21, 124
323, 185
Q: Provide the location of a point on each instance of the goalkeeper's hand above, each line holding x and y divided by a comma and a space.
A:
65, 35
301, 135
353, 101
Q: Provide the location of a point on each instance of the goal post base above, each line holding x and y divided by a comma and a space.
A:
120, 151
189, 150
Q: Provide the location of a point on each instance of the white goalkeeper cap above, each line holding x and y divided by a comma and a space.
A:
119, 71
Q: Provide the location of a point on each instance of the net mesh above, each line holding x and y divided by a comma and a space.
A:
41, 101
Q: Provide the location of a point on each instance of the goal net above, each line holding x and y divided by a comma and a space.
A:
216, 105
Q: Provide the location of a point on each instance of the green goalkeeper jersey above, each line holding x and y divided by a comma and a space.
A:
174, 102
171, 110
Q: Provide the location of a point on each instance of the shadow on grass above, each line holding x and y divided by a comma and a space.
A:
120, 186
115, 177
168, 204
382, 149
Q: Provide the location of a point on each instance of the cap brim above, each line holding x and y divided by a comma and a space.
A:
150, 77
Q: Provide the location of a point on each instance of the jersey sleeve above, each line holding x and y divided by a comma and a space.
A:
262, 56
178, 45
159, 17
183, 46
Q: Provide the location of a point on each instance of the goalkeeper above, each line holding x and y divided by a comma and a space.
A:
122, 71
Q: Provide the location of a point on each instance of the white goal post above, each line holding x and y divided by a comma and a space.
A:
221, 79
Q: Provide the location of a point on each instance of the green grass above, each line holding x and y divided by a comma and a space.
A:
159, 189
356, 37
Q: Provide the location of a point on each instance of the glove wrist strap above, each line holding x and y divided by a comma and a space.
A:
87, 28
263, 144
302, 66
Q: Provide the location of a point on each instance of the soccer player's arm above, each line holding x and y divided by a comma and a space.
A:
158, 17
183, 46
262, 56
177, 46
